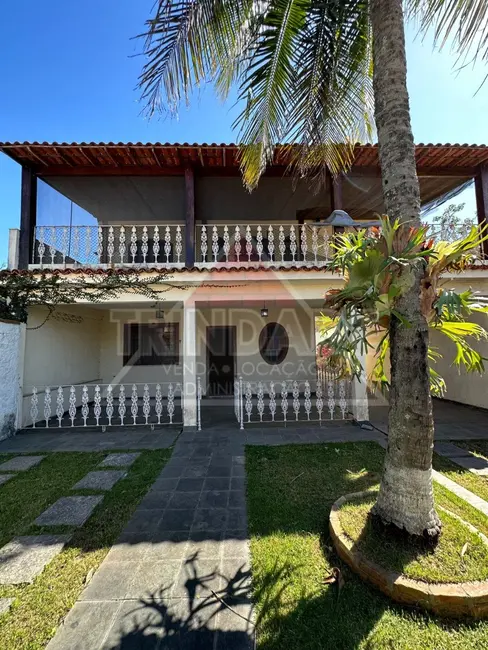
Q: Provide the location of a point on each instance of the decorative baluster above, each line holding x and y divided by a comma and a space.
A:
226, 243
159, 403
237, 242
248, 243
293, 242
171, 403
109, 407
34, 410
146, 403
134, 408
203, 243
271, 246
144, 244
326, 245
60, 405
100, 244
47, 404
248, 400
52, 246
122, 246
64, 243
319, 401
303, 242
41, 249
199, 404
281, 243
308, 402
284, 399
76, 243
156, 247
342, 398
215, 243
272, 400
133, 244
296, 399
122, 407
88, 243
259, 242
178, 244
110, 244
72, 405
97, 408
331, 397
167, 243
260, 401
84, 404
315, 243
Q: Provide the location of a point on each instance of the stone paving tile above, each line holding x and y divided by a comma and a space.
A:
449, 450
85, 627
20, 463
5, 477
103, 480
5, 605
154, 579
474, 464
136, 626
155, 501
24, 558
69, 511
119, 460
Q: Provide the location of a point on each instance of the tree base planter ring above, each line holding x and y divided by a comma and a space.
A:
445, 599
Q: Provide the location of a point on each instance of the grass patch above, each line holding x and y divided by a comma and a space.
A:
40, 607
396, 553
476, 484
476, 447
290, 492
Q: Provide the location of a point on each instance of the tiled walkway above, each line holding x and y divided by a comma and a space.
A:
179, 575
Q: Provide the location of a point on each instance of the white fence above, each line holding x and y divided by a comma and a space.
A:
291, 401
105, 405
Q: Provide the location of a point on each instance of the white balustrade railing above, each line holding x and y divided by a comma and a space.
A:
82, 405
161, 245
255, 244
238, 402
293, 401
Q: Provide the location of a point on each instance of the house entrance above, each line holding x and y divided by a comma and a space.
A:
221, 359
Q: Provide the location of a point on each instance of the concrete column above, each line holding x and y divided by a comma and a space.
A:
360, 409
12, 346
13, 248
189, 366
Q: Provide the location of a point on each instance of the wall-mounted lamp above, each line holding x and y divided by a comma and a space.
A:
264, 311
159, 313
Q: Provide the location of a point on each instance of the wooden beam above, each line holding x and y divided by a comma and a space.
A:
336, 195
189, 217
28, 208
481, 189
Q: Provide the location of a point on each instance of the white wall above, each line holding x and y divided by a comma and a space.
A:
62, 351
11, 358
463, 387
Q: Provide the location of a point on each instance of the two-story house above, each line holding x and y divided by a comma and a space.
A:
246, 278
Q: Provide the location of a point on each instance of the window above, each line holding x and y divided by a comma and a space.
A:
153, 344
273, 343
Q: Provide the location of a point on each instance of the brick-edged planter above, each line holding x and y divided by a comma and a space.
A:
445, 599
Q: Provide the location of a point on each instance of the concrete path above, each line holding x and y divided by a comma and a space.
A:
179, 575
463, 458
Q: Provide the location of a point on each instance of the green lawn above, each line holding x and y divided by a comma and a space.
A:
476, 484
290, 492
39, 608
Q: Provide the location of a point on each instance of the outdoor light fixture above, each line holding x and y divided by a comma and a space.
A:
159, 313
264, 311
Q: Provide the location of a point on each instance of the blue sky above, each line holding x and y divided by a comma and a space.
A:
68, 72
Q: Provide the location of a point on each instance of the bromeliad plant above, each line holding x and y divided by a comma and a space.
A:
373, 264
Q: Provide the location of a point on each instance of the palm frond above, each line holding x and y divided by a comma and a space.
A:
465, 21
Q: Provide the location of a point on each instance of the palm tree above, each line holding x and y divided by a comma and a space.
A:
307, 73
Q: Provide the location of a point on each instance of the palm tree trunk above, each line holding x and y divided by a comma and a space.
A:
406, 497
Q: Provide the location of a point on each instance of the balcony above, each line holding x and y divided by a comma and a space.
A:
215, 245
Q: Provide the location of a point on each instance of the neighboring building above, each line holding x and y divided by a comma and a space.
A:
247, 280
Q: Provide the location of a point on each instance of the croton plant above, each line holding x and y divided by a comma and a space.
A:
373, 262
